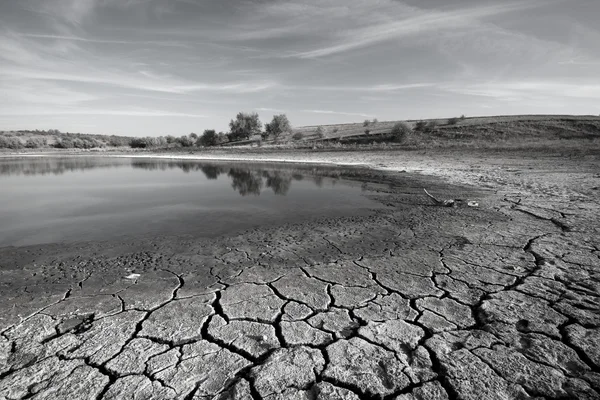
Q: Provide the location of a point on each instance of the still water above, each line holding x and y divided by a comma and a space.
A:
56, 200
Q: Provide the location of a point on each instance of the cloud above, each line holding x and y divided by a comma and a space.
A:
130, 81
73, 12
106, 41
40, 92
338, 113
113, 112
528, 90
277, 110
418, 22
382, 88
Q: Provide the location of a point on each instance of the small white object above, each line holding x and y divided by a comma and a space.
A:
133, 276
473, 204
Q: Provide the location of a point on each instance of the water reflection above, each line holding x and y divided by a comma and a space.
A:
55, 166
53, 200
246, 179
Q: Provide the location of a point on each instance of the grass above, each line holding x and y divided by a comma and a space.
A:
481, 132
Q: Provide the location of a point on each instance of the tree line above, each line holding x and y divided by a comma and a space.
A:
243, 127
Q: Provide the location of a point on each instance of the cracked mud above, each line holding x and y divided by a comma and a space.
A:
411, 302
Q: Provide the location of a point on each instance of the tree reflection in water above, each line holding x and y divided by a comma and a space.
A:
245, 182
246, 179
212, 172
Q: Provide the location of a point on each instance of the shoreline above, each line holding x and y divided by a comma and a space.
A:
491, 170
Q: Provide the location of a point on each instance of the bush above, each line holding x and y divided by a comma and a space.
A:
401, 131
367, 131
186, 141
320, 132
453, 121
117, 141
222, 138
335, 130
138, 143
424, 126
375, 121
463, 116
10, 142
366, 123
298, 136
35, 143
421, 126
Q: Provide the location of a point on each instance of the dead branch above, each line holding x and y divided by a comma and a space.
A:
433, 198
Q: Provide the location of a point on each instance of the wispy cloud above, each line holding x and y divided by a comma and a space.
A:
523, 90
73, 12
106, 41
419, 22
338, 113
113, 112
390, 87
127, 80
276, 110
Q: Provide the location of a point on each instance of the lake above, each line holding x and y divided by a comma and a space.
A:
78, 199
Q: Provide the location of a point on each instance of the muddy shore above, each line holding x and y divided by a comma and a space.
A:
413, 301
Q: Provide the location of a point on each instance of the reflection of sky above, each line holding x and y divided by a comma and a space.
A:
79, 202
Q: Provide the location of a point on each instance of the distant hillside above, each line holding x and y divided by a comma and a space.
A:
499, 131
489, 129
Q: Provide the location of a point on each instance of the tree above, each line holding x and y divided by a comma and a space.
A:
366, 123
209, 138
244, 126
277, 126
194, 136
453, 121
375, 121
298, 136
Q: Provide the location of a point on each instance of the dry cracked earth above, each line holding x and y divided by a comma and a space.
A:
413, 301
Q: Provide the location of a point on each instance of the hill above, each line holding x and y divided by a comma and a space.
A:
491, 132
526, 128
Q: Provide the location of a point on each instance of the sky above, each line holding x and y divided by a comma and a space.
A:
160, 67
